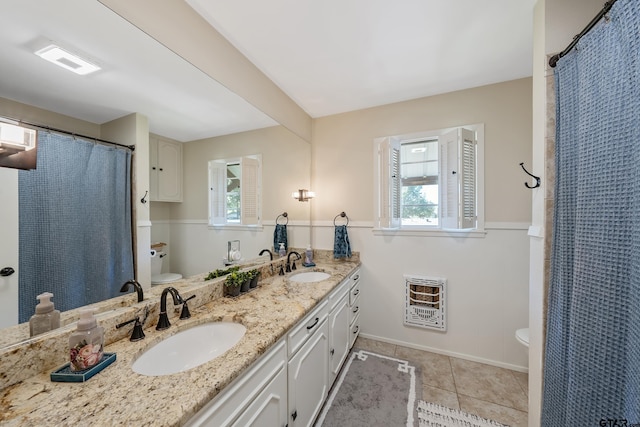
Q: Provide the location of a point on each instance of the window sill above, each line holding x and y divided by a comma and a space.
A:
477, 233
236, 227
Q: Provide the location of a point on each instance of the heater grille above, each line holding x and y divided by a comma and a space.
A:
425, 302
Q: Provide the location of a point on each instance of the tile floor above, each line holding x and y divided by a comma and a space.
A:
487, 391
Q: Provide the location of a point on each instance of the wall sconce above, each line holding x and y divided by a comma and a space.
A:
303, 195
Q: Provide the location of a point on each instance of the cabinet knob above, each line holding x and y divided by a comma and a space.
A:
333, 350
160, 169
294, 415
153, 168
356, 309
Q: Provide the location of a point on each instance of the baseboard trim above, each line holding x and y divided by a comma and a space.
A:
448, 353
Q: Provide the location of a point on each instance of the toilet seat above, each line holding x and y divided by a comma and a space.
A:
163, 278
522, 335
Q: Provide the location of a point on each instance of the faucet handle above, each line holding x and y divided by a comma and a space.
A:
185, 314
138, 333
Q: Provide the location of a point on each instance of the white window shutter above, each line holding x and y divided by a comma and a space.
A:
467, 144
249, 191
450, 190
458, 154
217, 192
389, 183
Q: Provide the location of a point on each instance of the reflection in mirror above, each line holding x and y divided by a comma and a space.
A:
194, 245
194, 248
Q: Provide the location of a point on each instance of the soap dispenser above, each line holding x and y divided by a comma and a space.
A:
308, 257
46, 317
86, 343
282, 251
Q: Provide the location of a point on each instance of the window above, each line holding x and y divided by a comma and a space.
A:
430, 180
234, 191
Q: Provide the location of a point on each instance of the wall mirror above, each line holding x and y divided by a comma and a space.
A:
194, 247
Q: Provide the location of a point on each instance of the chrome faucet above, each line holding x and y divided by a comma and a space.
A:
136, 286
289, 266
163, 321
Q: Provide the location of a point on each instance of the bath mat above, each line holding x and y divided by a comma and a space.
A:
372, 390
432, 415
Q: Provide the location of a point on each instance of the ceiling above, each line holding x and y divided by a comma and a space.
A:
329, 56
333, 56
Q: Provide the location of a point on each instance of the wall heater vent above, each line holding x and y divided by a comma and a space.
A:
425, 302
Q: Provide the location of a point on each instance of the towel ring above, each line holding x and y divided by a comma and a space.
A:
343, 215
285, 215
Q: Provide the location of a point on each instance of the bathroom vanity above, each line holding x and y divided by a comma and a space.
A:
297, 337
289, 384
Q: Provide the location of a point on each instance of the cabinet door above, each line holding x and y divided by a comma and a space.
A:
308, 373
169, 171
153, 169
269, 408
338, 337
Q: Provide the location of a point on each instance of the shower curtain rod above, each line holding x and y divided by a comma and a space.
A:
22, 122
607, 6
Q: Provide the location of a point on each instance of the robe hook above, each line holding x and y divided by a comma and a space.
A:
537, 178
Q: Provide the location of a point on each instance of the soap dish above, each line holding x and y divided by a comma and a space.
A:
66, 375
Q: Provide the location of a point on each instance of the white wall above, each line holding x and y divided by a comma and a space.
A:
487, 277
487, 290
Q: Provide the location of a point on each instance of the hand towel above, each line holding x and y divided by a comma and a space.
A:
280, 236
341, 245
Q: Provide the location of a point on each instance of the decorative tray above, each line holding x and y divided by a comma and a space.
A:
66, 375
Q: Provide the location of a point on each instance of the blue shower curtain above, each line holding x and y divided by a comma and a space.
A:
75, 223
592, 352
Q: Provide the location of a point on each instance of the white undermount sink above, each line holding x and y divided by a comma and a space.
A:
189, 348
309, 277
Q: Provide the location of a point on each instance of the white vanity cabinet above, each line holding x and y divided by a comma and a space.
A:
289, 384
165, 175
258, 398
339, 328
354, 306
308, 367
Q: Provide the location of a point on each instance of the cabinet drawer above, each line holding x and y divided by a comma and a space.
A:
303, 330
355, 276
354, 293
354, 310
354, 330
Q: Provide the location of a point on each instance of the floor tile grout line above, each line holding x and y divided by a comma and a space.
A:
453, 378
526, 392
494, 403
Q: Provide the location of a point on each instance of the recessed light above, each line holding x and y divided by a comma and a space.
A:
67, 60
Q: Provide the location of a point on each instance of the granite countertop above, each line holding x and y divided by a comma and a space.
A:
118, 395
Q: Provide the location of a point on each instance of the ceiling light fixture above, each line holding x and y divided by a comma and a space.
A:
303, 195
67, 60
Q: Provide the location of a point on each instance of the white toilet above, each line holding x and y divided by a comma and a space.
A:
157, 276
522, 335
